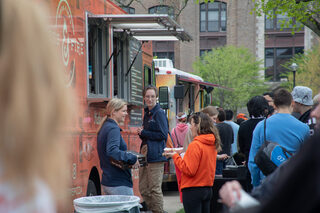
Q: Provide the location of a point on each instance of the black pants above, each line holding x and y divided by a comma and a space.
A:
197, 199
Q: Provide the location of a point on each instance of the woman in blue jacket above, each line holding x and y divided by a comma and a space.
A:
111, 146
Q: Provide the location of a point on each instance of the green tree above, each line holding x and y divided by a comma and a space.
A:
308, 72
234, 68
303, 11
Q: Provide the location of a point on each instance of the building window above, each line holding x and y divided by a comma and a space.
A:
169, 55
202, 52
276, 22
275, 58
213, 17
162, 9
129, 10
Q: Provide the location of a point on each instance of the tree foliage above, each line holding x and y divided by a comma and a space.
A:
308, 69
234, 68
304, 11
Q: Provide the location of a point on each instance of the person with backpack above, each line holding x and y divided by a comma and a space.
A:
281, 128
178, 136
154, 135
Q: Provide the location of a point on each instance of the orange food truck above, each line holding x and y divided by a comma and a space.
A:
106, 53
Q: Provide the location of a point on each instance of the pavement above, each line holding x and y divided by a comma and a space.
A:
171, 201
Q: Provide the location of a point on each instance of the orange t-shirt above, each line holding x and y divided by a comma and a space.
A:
198, 165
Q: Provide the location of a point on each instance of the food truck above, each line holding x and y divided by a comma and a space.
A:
180, 91
106, 53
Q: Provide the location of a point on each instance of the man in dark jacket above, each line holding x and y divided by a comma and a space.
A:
154, 136
226, 136
302, 97
257, 108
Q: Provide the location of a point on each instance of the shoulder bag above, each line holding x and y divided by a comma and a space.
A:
270, 155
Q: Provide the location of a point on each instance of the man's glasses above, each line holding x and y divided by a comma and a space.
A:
150, 97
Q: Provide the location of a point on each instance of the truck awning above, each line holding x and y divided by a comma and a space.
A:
146, 27
203, 83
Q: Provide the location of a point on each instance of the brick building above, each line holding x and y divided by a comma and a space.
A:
225, 22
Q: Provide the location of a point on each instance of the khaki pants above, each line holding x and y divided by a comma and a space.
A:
150, 181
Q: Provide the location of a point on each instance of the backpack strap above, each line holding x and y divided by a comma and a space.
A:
285, 151
175, 133
264, 129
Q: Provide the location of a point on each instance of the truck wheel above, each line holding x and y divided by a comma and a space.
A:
91, 188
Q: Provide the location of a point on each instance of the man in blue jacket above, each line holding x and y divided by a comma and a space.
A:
282, 128
154, 136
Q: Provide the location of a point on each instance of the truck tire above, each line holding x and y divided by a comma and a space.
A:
91, 188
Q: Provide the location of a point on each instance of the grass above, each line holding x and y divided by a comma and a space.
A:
180, 211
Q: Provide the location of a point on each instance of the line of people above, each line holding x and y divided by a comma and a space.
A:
287, 189
283, 127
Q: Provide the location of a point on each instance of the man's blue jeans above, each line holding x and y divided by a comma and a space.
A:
220, 165
117, 190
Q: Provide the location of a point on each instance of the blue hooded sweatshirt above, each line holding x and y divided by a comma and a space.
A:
112, 145
155, 133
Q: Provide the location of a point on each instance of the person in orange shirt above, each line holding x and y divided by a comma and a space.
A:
198, 164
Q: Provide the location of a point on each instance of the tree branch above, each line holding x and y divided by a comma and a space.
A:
299, 1
130, 3
313, 24
141, 4
182, 8
121, 4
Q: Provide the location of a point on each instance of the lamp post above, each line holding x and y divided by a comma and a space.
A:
294, 67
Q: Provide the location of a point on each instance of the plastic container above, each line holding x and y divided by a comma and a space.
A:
107, 203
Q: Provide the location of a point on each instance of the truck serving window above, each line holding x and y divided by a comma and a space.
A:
120, 65
97, 58
114, 59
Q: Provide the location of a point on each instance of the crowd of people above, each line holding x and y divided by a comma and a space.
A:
208, 138
292, 187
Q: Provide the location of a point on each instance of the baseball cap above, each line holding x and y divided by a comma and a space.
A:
302, 95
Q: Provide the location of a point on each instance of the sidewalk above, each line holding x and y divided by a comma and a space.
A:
171, 201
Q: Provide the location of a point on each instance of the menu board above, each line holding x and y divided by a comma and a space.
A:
136, 72
136, 117
136, 79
